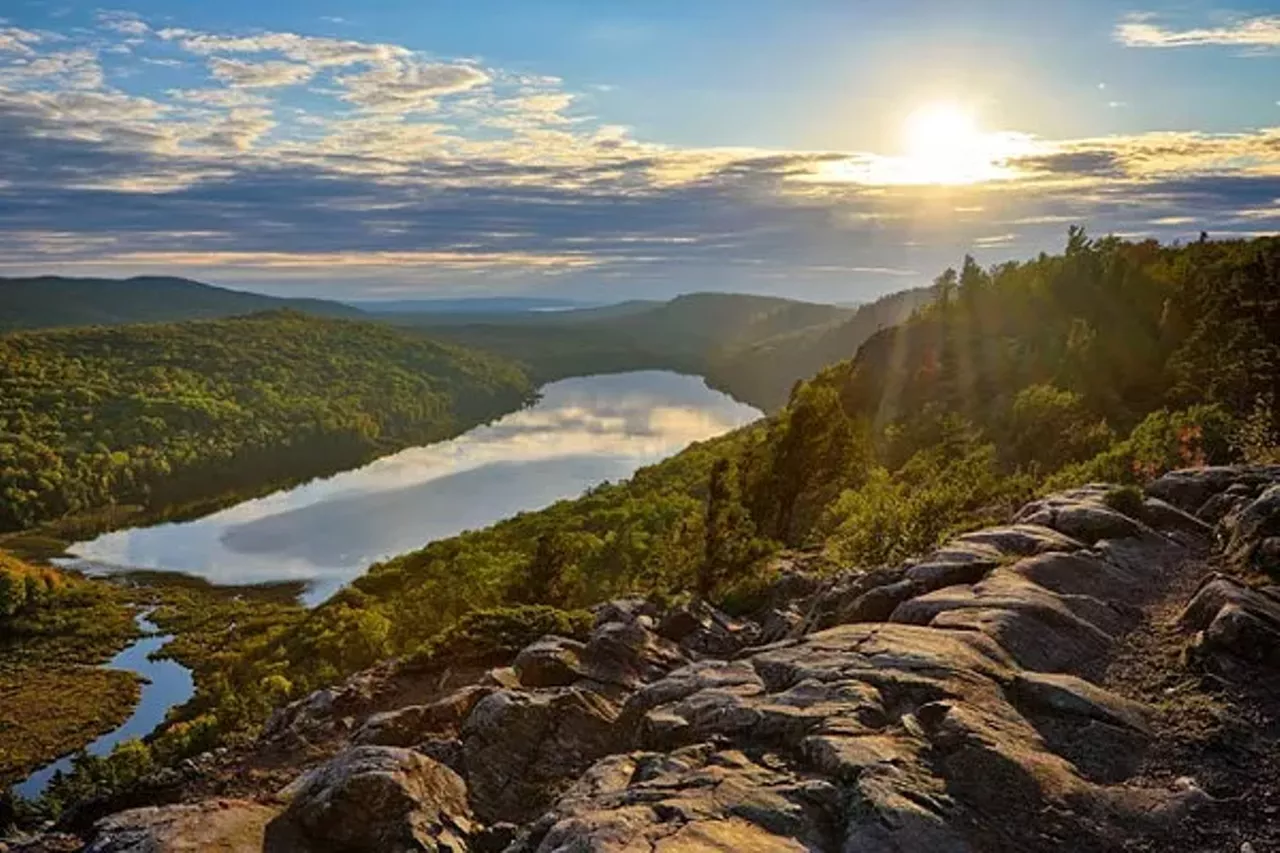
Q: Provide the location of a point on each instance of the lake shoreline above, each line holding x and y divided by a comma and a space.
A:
325, 532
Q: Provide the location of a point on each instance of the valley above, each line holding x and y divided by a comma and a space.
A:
500, 479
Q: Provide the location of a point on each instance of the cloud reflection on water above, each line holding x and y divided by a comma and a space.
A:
582, 432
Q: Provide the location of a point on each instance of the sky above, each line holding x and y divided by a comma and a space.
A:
832, 150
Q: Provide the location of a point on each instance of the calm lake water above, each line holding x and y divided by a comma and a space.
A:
582, 432
165, 684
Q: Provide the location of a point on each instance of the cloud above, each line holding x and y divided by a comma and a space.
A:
237, 131
312, 50
402, 171
124, 23
224, 98
407, 86
14, 40
76, 69
1143, 30
1079, 162
252, 75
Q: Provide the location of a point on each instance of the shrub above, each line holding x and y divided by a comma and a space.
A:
493, 636
1165, 440
1126, 500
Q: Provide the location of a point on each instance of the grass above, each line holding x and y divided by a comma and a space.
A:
53, 697
46, 713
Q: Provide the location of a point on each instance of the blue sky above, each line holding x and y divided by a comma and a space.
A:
611, 150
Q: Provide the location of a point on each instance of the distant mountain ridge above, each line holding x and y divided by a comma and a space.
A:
753, 347
468, 305
52, 301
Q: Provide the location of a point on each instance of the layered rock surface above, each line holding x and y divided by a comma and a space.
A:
934, 706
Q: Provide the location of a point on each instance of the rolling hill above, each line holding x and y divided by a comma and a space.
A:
51, 301
753, 347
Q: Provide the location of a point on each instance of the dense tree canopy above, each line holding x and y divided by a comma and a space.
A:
160, 415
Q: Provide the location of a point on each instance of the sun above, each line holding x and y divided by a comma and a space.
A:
944, 144
939, 131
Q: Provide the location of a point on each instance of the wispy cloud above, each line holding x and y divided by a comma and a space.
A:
252, 75
14, 40
1145, 30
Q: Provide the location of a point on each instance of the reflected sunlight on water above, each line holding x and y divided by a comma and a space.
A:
582, 432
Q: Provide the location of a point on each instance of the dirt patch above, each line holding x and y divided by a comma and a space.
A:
1222, 735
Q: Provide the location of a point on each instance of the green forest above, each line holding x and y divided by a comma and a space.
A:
162, 416
50, 301
1111, 361
752, 347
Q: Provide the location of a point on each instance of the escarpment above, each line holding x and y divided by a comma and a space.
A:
963, 701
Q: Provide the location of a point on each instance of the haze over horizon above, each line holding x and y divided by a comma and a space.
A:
819, 150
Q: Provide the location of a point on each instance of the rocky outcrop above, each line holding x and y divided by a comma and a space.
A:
1232, 622
942, 705
328, 712
413, 724
375, 798
230, 826
519, 748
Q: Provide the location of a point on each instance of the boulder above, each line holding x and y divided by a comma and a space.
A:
413, 724
1172, 521
1068, 695
1252, 526
625, 610
375, 798
876, 605
628, 655
329, 712
230, 826
777, 624
931, 574
837, 597
694, 799
1081, 573
1190, 488
1218, 507
1232, 622
1081, 626
520, 749
1085, 518
701, 629
550, 662
1021, 540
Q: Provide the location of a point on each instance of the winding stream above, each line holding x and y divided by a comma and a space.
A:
581, 432
165, 684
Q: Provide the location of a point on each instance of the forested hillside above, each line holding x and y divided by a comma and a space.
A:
753, 347
48, 301
1112, 361
162, 415
763, 370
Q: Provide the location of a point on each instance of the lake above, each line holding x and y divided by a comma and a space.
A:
581, 432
